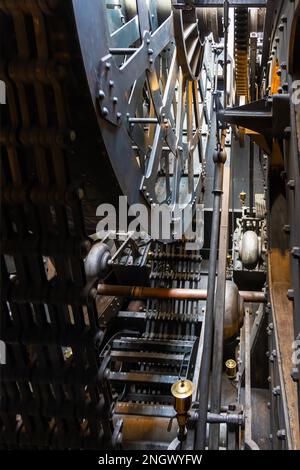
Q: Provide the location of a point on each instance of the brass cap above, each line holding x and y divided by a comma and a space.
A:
230, 365
243, 197
182, 389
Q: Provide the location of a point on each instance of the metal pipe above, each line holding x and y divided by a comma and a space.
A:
218, 418
253, 296
140, 292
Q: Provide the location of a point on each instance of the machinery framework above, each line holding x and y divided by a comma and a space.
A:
123, 342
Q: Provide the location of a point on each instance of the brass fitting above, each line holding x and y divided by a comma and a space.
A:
182, 391
230, 365
243, 197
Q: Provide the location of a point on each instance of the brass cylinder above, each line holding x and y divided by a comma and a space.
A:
182, 391
230, 365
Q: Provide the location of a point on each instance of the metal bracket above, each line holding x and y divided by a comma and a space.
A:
268, 117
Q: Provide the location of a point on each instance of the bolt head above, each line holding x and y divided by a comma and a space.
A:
281, 434
295, 374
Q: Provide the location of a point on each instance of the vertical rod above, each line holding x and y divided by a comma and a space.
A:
226, 26
216, 380
208, 324
251, 175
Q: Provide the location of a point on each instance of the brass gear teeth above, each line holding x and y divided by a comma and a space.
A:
241, 47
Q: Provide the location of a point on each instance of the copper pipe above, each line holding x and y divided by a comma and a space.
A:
140, 292
253, 296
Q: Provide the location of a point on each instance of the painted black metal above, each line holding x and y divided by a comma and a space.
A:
270, 117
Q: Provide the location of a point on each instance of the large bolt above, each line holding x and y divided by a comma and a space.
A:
281, 434
290, 294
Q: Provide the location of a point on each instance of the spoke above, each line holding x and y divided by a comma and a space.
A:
198, 121
190, 136
126, 35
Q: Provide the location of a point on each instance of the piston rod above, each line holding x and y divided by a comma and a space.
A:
140, 292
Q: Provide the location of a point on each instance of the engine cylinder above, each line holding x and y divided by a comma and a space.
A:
234, 311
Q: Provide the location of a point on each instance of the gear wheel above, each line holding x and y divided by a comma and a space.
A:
241, 47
